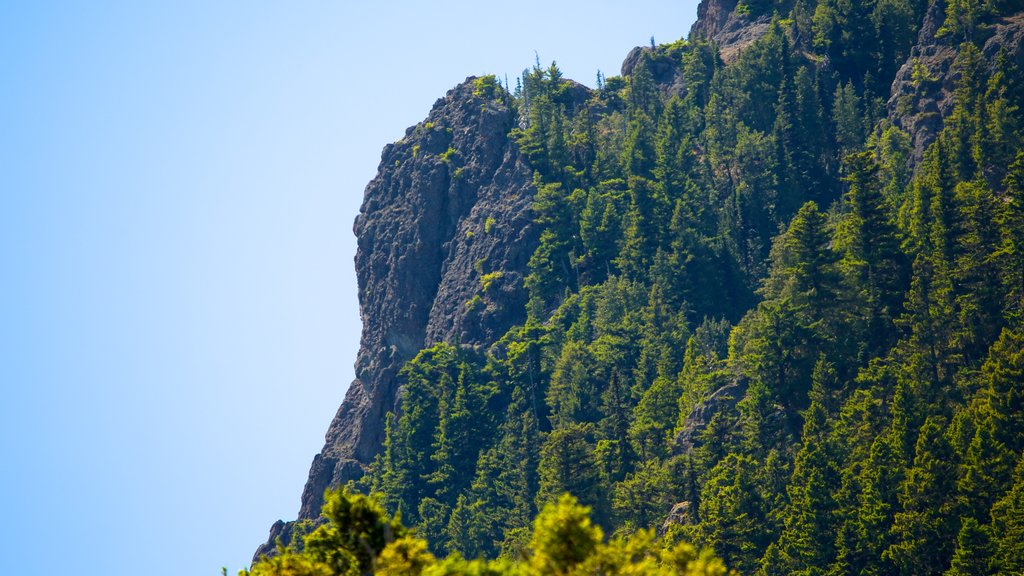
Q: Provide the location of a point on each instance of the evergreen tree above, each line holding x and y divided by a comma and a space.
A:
1002, 374
979, 300
732, 514
573, 394
923, 532
973, 551
567, 465
1011, 249
807, 540
1008, 527
873, 259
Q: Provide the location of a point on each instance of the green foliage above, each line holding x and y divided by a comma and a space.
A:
732, 513
359, 538
487, 87
488, 280
752, 303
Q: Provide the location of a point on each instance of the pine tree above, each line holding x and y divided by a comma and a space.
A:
985, 470
979, 300
895, 23
873, 258
1000, 136
454, 450
732, 514
923, 532
973, 551
815, 279
654, 416
642, 498
847, 117
567, 465
573, 393
1011, 250
1002, 375
807, 542
1008, 527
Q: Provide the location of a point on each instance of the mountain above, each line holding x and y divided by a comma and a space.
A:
451, 203
762, 292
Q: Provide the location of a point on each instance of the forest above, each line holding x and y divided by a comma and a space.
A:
760, 325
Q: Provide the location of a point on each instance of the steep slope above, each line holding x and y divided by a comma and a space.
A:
723, 23
922, 92
450, 203
691, 280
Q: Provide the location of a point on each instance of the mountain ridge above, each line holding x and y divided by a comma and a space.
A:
448, 228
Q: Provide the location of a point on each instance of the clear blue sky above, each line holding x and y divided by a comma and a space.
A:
178, 181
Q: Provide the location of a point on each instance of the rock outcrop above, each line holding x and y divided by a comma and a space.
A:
450, 206
663, 66
720, 22
922, 91
723, 400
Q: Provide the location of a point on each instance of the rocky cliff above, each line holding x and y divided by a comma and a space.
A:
451, 203
445, 230
728, 26
922, 92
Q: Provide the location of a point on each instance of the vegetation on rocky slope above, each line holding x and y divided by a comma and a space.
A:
757, 322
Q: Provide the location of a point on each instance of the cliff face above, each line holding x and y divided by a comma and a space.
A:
720, 22
918, 105
922, 91
451, 202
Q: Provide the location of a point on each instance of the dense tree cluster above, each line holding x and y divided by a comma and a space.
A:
749, 310
359, 537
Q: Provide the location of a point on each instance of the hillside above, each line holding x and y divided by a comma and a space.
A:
761, 292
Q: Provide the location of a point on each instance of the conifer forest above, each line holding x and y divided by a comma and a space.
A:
774, 321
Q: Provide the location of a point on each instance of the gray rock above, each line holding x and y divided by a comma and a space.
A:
663, 65
723, 400
451, 202
920, 106
718, 21
679, 515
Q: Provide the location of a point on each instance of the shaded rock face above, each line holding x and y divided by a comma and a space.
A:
712, 18
723, 400
451, 204
1008, 35
719, 22
918, 105
664, 68
681, 514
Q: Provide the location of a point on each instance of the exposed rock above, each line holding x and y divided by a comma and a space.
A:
720, 22
922, 92
451, 203
576, 94
918, 105
723, 400
663, 65
1008, 35
712, 18
633, 58
680, 514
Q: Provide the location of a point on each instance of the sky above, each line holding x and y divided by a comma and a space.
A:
178, 182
